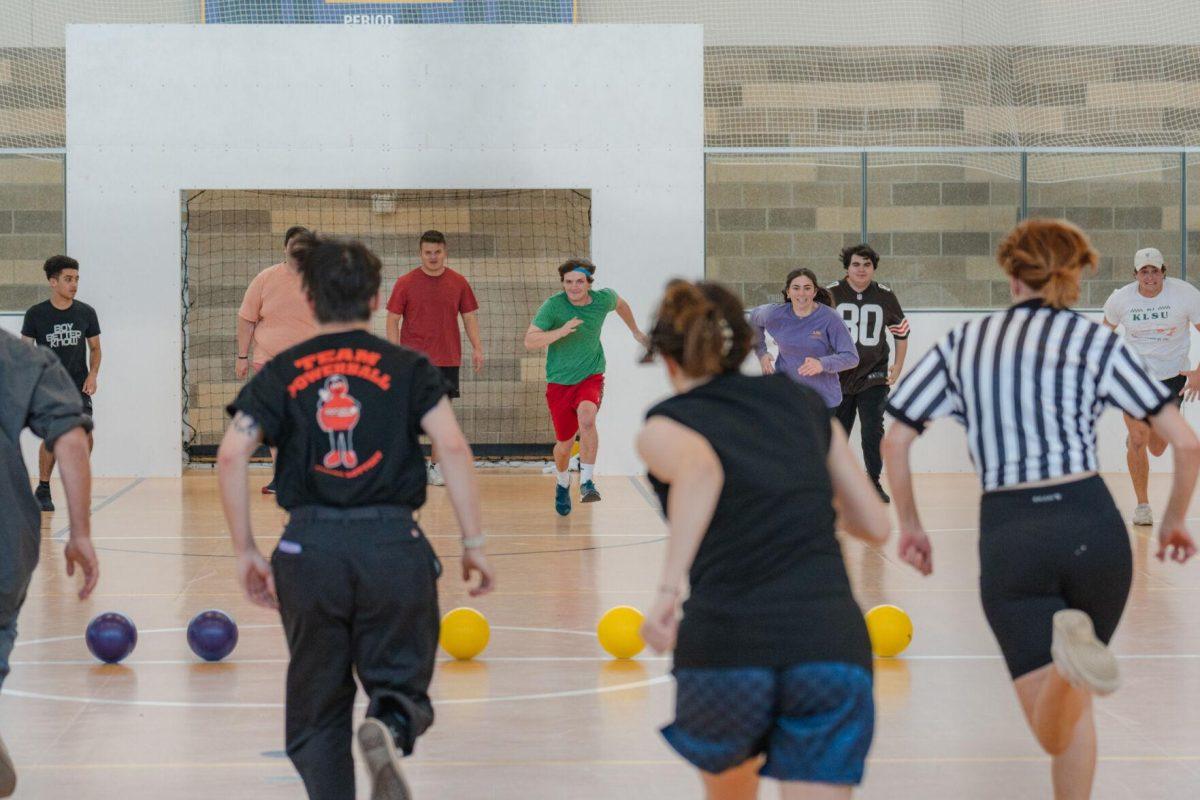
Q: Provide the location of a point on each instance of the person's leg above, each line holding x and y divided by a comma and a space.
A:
871, 403
315, 605
1060, 717
814, 791
738, 783
589, 445
19, 555
560, 401
45, 463
846, 411
1136, 458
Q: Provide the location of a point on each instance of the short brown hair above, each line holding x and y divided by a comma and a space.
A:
577, 263
340, 276
1048, 256
431, 237
701, 327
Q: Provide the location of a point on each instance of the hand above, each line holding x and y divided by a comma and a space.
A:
477, 361
254, 573
768, 365
570, 327
1174, 541
79, 551
642, 339
916, 550
242, 369
473, 560
810, 367
662, 623
1191, 389
893, 375
89, 385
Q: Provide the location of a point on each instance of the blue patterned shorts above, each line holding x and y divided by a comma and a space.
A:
813, 721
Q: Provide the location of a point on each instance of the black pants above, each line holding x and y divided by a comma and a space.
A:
868, 404
357, 594
1042, 550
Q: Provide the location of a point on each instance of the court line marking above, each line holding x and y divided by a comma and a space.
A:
639, 484
108, 500
655, 540
448, 701
225, 537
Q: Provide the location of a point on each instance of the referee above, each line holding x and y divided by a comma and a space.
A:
353, 577
1028, 384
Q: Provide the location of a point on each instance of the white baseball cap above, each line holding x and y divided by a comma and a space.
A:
1147, 256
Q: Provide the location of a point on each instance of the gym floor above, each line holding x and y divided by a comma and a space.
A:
544, 713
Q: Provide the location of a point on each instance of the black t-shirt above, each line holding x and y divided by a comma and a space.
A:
768, 584
345, 411
866, 314
65, 332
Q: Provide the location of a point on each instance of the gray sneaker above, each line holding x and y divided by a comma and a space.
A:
1143, 515
1081, 658
383, 761
8, 773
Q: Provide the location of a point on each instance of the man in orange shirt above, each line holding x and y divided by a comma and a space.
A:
275, 313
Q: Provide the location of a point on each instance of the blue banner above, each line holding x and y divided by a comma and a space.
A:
479, 12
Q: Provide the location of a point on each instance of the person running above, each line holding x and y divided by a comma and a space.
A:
38, 393
1157, 314
71, 330
423, 312
869, 309
274, 314
568, 325
1029, 384
771, 658
353, 577
814, 345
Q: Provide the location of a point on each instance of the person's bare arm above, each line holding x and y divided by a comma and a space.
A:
625, 312
457, 464
74, 464
471, 323
1174, 540
89, 383
683, 458
536, 338
242, 438
914, 546
245, 335
393, 327
898, 363
860, 511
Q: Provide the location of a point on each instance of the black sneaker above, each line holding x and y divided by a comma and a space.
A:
383, 761
42, 493
882, 494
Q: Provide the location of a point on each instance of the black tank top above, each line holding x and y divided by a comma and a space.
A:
768, 584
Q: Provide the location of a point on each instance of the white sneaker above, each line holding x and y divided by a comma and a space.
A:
8, 773
1143, 515
1082, 659
383, 761
435, 475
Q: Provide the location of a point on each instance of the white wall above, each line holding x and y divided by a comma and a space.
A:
618, 110
943, 447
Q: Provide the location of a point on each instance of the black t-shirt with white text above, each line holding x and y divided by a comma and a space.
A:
866, 314
65, 331
344, 409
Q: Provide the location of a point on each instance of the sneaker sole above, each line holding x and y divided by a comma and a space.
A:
383, 761
590, 498
8, 773
1082, 658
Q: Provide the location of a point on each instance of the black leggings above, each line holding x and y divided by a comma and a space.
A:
1046, 549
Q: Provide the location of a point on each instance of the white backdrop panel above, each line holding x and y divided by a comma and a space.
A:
156, 109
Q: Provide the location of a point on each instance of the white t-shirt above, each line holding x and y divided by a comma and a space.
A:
1157, 328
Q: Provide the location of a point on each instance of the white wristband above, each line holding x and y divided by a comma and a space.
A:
473, 542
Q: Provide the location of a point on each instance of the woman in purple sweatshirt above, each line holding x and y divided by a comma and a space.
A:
814, 345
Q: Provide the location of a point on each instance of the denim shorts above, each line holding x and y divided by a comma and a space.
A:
812, 721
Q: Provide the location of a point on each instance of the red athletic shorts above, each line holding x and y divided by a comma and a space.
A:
564, 399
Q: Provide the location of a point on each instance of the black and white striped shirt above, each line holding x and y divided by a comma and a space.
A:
1028, 384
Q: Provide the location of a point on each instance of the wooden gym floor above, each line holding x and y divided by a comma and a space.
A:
544, 714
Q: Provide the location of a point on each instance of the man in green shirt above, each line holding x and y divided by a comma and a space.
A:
568, 325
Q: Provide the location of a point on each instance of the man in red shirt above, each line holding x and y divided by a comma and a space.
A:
423, 316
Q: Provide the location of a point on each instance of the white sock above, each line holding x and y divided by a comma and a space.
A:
585, 472
564, 478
